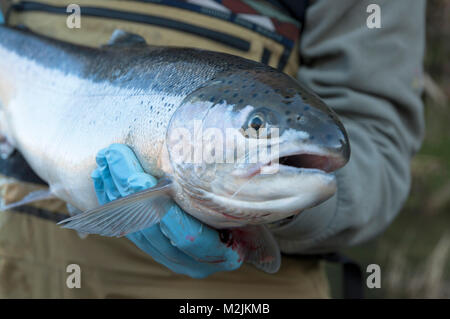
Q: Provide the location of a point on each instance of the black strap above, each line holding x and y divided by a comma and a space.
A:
351, 273
296, 8
17, 167
55, 217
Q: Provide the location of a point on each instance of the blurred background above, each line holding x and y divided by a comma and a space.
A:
414, 252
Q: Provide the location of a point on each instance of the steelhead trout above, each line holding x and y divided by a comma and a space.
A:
235, 143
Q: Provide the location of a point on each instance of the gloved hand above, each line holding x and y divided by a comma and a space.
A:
179, 242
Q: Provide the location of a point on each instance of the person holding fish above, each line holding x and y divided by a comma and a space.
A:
90, 113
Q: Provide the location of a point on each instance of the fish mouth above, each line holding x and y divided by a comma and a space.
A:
317, 161
327, 163
295, 180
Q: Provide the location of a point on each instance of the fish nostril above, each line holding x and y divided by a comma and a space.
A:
299, 117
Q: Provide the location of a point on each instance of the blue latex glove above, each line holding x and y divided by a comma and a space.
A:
179, 242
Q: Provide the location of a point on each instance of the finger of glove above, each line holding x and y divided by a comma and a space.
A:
198, 240
152, 242
122, 163
99, 187
158, 246
138, 182
109, 186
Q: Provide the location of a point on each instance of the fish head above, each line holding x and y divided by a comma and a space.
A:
256, 146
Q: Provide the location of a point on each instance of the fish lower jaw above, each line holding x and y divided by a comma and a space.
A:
274, 167
239, 212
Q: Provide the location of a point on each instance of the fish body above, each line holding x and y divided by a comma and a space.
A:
62, 103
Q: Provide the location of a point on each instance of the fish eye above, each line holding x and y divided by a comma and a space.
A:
256, 122
259, 124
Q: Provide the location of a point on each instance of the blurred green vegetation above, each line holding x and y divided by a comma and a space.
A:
414, 252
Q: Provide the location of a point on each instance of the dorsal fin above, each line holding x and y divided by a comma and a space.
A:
122, 38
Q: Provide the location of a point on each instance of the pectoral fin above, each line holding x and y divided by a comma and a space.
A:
75, 211
257, 246
125, 215
30, 198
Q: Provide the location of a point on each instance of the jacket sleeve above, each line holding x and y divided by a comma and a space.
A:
373, 79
